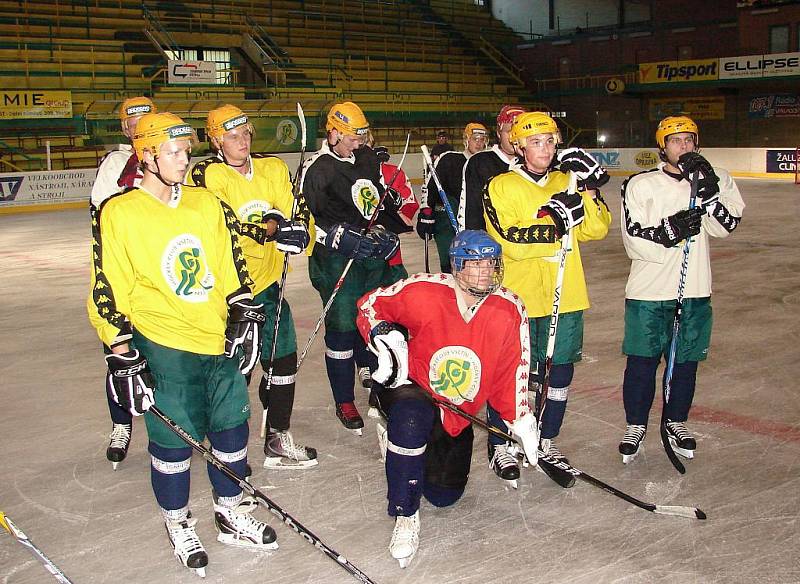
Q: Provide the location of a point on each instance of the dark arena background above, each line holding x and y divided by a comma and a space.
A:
608, 71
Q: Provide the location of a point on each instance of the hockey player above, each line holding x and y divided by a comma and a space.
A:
656, 220
442, 145
259, 190
433, 220
175, 308
342, 186
120, 170
484, 166
469, 346
529, 209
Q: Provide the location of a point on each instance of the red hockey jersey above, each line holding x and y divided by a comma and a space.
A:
468, 359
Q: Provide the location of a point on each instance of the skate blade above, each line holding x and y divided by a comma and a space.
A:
374, 414
688, 454
199, 571
404, 562
356, 431
513, 483
288, 463
114, 465
628, 458
244, 543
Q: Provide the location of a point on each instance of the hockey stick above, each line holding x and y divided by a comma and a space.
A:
282, 287
427, 256
566, 243
673, 345
349, 264
273, 507
564, 471
442, 195
23, 539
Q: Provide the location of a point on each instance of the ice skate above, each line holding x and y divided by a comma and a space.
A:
188, 549
682, 441
550, 449
119, 441
505, 465
349, 417
283, 452
632, 442
237, 526
365, 377
405, 539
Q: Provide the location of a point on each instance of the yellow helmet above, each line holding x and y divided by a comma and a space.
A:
348, 119
675, 125
155, 129
226, 118
474, 129
531, 124
136, 106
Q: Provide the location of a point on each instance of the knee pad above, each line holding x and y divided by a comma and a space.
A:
561, 375
439, 496
169, 476
230, 446
410, 423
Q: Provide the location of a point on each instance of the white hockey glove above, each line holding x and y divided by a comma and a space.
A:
244, 329
389, 343
526, 430
130, 383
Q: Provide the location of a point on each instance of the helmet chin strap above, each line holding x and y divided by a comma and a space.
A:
161, 178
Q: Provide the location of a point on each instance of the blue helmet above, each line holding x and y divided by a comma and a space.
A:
473, 245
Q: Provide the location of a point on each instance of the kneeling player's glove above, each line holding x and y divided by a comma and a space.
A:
566, 211
291, 237
680, 226
426, 224
130, 383
244, 329
388, 342
587, 170
526, 430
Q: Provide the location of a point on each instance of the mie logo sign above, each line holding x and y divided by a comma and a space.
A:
9, 187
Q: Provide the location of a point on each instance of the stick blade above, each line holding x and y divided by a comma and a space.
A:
562, 477
302, 117
680, 511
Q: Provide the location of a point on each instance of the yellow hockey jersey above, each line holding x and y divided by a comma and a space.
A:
530, 247
267, 187
165, 268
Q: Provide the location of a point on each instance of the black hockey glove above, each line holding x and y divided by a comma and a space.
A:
588, 171
244, 329
385, 243
389, 342
392, 200
130, 383
426, 224
566, 211
707, 181
382, 152
680, 226
291, 237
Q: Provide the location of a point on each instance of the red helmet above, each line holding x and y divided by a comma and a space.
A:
509, 113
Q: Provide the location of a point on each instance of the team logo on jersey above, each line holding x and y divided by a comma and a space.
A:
455, 373
253, 211
365, 197
186, 270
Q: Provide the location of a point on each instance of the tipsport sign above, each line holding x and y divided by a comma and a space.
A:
725, 68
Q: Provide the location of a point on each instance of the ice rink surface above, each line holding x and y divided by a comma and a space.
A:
103, 527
